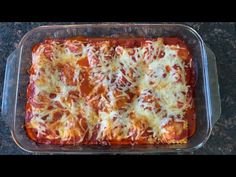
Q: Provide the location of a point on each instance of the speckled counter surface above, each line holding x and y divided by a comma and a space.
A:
221, 37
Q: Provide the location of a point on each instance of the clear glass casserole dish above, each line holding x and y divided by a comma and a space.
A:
207, 98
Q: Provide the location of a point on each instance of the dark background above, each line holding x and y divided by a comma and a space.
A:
221, 38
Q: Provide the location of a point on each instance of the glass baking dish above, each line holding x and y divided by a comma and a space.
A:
207, 100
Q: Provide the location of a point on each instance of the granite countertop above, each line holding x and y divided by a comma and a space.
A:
220, 37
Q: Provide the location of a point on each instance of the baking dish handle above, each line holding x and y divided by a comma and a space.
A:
10, 86
213, 85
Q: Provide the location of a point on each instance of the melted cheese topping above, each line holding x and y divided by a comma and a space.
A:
97, 91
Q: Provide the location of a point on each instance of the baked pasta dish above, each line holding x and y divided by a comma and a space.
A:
109, 91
